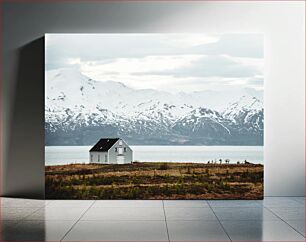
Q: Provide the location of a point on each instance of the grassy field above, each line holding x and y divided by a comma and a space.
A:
155, 181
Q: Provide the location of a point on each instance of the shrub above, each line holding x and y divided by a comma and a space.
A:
188, 170
163, 166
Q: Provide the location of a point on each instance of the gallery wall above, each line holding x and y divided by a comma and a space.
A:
24, 26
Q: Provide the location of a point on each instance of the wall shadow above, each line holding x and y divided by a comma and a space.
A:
28, 230
26, 133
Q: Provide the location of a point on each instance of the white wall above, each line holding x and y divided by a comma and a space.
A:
96, 159
284, 100
128, 155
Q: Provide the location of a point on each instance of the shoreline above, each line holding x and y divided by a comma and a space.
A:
60, 155
160, 162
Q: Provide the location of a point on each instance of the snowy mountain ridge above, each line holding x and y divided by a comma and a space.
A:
79, 110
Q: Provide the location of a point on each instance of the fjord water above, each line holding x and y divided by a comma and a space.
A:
57, 155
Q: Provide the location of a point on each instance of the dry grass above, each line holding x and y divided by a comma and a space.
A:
156, 180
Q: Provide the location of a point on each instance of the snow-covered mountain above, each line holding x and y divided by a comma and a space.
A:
247, 114
79, 110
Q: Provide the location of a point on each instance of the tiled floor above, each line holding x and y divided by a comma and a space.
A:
274, 219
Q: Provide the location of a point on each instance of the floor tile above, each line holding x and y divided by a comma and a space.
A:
261, 231
235, 203
298, 225
300, 200
39, 230
189, 214
70, 203
58, 213
128, 203
289, 213
244, 214
185, 203
16, 213
281, 202
4, 224
118, 231
143, 220
7, 227
108, 214
22, 203
196, 231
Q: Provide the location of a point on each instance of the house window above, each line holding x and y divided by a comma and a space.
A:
124, 149
91, 156
116, 149
105, 158
98, 158
120, 142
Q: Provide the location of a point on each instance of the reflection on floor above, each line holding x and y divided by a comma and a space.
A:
274, 219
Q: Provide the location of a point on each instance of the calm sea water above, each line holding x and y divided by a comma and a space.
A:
56, 155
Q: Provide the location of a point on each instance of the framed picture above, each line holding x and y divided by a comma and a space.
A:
154, 116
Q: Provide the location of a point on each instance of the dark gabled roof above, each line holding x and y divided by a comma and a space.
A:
104, 145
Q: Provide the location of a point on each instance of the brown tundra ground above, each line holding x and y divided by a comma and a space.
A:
155, 180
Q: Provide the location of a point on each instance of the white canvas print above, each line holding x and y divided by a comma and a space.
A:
154, 116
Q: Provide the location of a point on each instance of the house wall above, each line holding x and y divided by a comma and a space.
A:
128, 155
95, 157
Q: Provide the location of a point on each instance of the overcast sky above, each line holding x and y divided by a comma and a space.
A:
169, 62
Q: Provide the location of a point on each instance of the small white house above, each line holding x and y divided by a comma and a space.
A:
111, 151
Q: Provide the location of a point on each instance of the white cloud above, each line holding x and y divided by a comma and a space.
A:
74, 61
212, 66
171, 62
124, 66
191, 40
